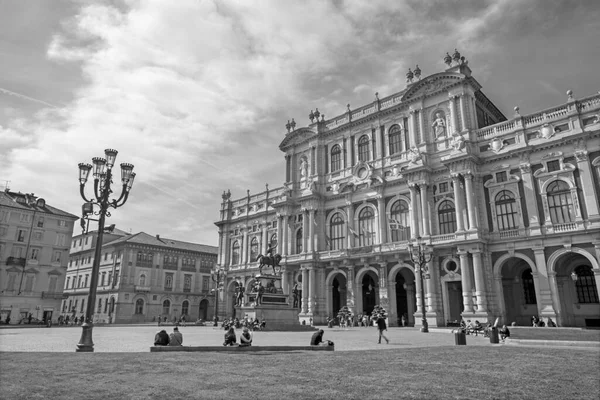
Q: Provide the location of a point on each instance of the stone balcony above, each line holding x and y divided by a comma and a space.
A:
139, 288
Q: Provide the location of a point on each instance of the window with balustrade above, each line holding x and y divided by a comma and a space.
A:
366, 226
395, 140
447, 217
363, 148
399, 221
187, 283
143, 280
139, 306
560, 202
587, 291
169, 282
235, 253
528, 287
299, 240
254, 249
337, 232
336, 158
506, 213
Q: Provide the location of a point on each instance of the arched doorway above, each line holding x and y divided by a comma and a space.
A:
405, 297
203, 310
338, 293
369, 295
577, 291
518, 292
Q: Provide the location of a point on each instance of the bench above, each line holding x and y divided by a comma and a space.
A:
158, 349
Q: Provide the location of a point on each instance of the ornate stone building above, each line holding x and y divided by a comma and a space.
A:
34, 249
508, 209
141, 277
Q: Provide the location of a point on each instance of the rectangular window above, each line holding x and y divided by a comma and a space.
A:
40, 222
25, 217
35, 254
109, 278
60, 239
17, 251
57, 256
68, 282
274, 224
37, 236
105, 256
52, 284
82, 304
62, 223
501, 177
86, 281
29, 283
205, 283
443, 187
11, 282
553, 165
21, 235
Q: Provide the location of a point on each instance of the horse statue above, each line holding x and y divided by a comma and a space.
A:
269, 260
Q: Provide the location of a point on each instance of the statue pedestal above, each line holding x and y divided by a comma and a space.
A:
275, 308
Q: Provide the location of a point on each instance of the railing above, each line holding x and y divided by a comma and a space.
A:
139, 288
186, 290
15, 261
52, 295
509, 234
588, 103
571, 226
443, 238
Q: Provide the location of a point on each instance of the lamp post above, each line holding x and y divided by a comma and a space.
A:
217, 278
102, 171
420, 258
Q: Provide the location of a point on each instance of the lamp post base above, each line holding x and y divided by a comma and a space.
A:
424, 327
86, 345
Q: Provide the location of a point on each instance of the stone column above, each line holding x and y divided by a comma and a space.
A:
280, 241
245, 246
418, 293
350, 224
453, 119
424, 209
286, 245
465, 274
350, 300
304, 231
382, 218
548, 301
311, 231
530, 198
590, 197
463, 112
311, 289
265, 239
384, 300
413, 214
413, 129
305, 282
459, 204
422, 126
471, 202
410, 303
480, 289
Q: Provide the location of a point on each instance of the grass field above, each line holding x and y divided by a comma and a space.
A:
460, 372
578, 335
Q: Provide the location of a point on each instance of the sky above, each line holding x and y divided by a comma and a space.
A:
196, 93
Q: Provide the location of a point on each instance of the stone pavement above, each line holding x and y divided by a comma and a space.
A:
140, 338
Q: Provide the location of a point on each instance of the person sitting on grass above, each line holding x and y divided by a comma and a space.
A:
230, 338
176, 338
504, 333
317, 339
245, 337
161, 338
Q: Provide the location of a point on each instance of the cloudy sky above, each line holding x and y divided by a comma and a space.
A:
196, 93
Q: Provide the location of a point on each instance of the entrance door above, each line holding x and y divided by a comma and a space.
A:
455, 300
203, 310
369, 295
47, 316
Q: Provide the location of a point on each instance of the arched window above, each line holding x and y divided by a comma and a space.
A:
235, 253
143, 280
366, 224
139, 306
447, 217
587, 291
395, 138
273, 241
299, 241
337, 236
363, 148
185, 307
399, 221
528, 287
253, 249
336, 158
506, 215
169, 281
166, 307
560, 202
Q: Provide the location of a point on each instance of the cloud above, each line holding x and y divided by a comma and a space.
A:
196, 93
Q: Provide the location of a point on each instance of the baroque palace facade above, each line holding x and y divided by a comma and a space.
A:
142, 277
508, 209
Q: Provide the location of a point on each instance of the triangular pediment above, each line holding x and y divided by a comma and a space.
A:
13, 269
433, 84
297, 136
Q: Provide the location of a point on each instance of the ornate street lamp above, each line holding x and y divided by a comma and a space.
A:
103, 178
217, 277
420, 257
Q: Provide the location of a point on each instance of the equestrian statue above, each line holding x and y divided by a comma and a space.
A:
269, 260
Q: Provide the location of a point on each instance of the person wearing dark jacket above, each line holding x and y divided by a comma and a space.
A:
230, 338
161, 338
317, 339
381, 326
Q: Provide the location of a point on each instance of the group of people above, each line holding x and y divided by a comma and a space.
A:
163, 320
538, 322
251, 324
231, 339
70, 321
162, 338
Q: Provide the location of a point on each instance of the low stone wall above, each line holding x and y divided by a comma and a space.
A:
167, 349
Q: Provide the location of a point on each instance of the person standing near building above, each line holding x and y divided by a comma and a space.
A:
381, 326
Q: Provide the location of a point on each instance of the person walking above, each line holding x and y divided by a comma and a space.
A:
381, 326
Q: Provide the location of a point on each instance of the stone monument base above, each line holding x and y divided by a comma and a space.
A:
278, 318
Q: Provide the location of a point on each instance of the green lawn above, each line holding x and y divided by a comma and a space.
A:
590, 335
463, 372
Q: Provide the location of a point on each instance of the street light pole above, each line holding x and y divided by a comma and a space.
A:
420, 258
102, 182
217, 278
